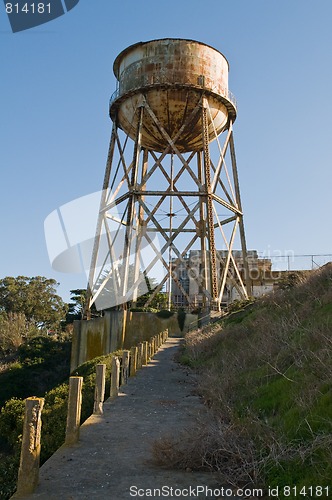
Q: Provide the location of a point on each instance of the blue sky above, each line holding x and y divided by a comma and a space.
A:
56, 81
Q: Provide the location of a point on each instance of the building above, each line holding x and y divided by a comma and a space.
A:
187, 277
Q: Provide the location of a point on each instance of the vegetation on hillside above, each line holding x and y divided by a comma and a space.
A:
34, 361
266, 375
43, 356
40, 364
34, 357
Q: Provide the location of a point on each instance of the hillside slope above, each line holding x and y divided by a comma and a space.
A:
266, 373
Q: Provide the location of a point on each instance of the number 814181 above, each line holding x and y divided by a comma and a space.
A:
306, 491
32, 8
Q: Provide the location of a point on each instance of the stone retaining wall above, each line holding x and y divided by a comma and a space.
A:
120, 330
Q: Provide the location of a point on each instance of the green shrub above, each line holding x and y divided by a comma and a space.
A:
143, 309
54, 419
8, 475
54, 416
43, 364
165, 313
11, 423
43, 349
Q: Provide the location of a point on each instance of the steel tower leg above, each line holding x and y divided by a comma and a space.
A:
131, 205
209, 209
203, 286
140, 226
247, 278
101, 215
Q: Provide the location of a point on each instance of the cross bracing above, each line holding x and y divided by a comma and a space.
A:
157, 206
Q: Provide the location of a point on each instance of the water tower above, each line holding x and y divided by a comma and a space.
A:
171, 184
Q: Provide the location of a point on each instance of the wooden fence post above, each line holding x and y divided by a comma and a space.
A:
28, 473
74, 410
99, 389
133, 361
125, 367
115, 377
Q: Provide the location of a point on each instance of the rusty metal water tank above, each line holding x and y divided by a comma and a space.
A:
171, 74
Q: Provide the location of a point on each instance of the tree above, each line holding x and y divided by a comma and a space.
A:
77, 304
111, 297
160, 299
35, 297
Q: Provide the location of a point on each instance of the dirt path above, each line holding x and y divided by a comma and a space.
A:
111, 460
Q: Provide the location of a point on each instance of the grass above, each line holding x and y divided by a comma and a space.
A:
266, 375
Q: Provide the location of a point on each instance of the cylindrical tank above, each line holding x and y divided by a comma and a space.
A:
171, 74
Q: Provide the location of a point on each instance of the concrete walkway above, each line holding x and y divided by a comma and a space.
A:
111, 461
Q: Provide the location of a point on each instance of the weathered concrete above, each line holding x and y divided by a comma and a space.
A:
115, 377
125, 367
30, 451
114, 451
133, 361
142, 326
120, 330
90, 339
99, 389
145, 352
74, 410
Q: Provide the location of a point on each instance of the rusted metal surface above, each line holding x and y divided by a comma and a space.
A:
171, 75
209, 207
